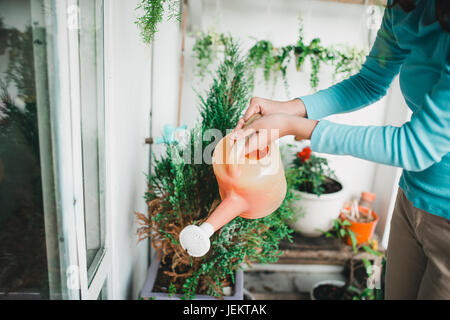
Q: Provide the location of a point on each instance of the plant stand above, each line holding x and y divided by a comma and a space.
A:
322, 250
304, 262
147, 292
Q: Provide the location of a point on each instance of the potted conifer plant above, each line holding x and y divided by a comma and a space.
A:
180, 194
319, 195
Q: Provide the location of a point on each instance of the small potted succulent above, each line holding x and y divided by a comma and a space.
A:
319, 194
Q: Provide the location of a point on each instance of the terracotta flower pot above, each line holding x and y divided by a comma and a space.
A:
363, 230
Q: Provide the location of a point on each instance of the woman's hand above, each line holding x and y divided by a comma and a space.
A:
267, 107
273, 126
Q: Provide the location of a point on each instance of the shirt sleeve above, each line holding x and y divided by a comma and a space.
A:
369, 85
414, 146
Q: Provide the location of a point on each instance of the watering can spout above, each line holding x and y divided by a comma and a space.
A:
195, 239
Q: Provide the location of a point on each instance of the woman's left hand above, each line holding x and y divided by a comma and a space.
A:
274, 126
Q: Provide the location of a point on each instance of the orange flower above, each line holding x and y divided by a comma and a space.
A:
305, 154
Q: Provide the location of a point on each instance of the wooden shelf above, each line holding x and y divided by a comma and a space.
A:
322, 250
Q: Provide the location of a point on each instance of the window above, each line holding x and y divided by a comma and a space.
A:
88, 132
53, 227
92, 129
25, 272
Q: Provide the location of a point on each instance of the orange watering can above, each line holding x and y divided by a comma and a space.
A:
251, 186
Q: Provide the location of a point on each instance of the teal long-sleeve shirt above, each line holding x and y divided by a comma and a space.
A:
414, 45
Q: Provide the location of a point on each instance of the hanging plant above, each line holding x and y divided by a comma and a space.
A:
274, 61
207, 48
153, 15
347, 60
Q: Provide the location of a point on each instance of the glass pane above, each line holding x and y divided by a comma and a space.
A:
104, 292
23, 252
92, 127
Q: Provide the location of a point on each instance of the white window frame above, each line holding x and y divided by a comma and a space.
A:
65, 98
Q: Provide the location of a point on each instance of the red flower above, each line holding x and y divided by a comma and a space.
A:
305, 154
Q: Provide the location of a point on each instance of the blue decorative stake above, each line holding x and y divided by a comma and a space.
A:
169, 134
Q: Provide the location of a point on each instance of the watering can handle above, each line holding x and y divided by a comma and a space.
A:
252, 119
239, 145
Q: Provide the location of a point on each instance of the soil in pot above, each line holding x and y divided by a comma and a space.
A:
163, 280
332, 292
329, 186
364, 217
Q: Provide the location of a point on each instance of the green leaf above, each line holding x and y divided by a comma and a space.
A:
371, 251
353, 239
368, 266
366, 292
346, 223
336, 224
353, 288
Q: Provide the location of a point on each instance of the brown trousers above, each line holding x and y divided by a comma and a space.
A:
418, 255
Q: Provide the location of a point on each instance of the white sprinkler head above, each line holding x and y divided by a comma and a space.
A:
195, 239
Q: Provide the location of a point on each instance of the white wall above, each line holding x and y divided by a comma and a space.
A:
166, 68
128, 74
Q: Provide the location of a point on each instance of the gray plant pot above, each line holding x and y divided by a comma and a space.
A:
147, 291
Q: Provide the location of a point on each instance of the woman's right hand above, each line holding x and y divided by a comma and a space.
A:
293, 107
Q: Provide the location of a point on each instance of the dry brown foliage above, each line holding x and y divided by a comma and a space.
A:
181, 264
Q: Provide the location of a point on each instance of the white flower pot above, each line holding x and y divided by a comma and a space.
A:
314, 214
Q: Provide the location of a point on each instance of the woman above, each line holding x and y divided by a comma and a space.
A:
414, 41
